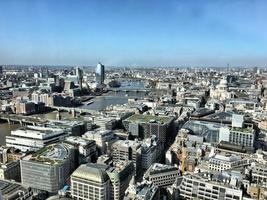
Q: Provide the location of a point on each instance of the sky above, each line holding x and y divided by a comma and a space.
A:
134, 32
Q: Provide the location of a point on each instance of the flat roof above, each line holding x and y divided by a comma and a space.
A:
147, 118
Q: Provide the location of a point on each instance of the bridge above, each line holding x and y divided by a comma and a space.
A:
75, 109
23, 120
144, 90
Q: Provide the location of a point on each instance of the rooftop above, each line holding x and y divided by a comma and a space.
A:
138, 118
52, 154
92, 172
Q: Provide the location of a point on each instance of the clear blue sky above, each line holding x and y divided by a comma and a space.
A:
133, 32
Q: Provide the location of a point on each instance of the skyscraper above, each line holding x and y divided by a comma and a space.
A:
79, 74
1, 70
100, 73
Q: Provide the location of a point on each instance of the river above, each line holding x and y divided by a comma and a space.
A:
99, 103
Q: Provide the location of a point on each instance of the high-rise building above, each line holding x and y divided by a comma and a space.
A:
79, 74
100, 73
1, 70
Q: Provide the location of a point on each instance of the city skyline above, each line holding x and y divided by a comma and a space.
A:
134, 33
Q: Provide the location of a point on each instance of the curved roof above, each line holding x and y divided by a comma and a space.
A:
91, 172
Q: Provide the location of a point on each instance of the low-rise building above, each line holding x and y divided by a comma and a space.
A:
142, 191
32, 138
209, 186
225, 162
161, 175
86, 148
103, 138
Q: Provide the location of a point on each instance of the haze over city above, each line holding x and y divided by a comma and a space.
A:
134, 33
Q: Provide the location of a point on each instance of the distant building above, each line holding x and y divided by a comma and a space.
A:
1, 70
100, 74
48, 169
79, 74
25, 107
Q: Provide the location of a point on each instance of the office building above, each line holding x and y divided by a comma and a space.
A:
49, 168
151, 150
259, 174
148, 125
79, 74
10, 171
100, 74
103, 138
120, 175
1, 70
220, 162
127, 150
210, 186
32, 138
161, 175
238, 136
25, 107
90, 181
86, 148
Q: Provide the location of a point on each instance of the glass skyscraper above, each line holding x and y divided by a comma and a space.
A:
100, 73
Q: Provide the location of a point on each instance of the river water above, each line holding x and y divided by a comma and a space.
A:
5, 129
99, 103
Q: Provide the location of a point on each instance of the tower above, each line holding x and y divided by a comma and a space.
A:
100, 73
79, 74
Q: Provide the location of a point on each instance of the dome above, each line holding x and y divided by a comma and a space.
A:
223, 82
92, 172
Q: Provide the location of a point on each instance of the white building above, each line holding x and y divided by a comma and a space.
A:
226, 162
221, 92
103, 138
32, 138
209, 186
238, 136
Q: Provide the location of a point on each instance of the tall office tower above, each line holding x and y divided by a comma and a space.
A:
90, 181
1, 70
44, 72
100, 73
48, 169
79, 74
